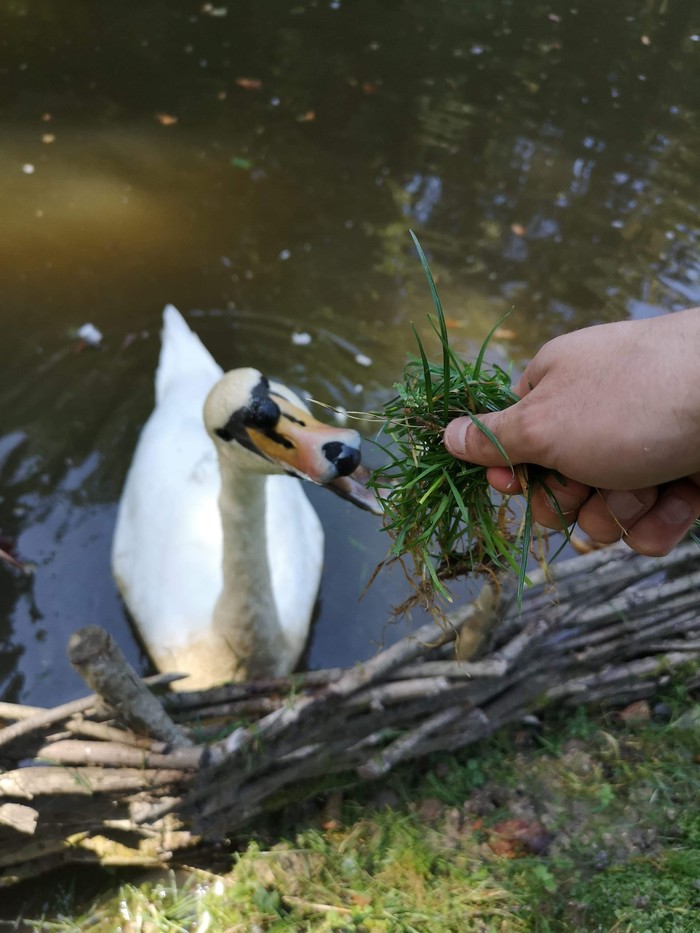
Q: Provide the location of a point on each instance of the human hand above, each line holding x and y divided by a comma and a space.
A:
614, 412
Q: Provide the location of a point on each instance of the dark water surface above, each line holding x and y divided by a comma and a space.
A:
259, 165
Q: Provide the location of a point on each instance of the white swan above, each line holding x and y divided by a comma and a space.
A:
218, 560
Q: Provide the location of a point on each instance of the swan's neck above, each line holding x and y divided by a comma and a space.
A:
245, 614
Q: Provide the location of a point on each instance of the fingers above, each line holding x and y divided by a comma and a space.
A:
504, 480
668, 521
611, 515
567, 493
651, 521
556, 501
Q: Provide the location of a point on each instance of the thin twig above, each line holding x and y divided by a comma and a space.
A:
49, 717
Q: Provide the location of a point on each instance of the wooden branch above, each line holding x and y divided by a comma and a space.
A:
402, 748
98, 659
116, 755
19, 817
229, 693
16, 711
46, 718
104, 732
28, 783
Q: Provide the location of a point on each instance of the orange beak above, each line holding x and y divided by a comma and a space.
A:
318, 452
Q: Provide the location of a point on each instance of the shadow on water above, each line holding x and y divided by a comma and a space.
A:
260, 169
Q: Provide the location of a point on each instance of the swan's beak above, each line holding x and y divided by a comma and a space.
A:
318, 452
354, 489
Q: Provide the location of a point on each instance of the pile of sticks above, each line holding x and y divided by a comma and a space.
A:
133, 775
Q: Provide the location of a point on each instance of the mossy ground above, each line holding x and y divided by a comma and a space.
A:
577, 823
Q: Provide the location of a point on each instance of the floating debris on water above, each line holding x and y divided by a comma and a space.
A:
90, 335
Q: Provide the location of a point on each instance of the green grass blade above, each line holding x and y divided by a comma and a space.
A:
464, 511
429, 393
484, 345
492, 437
444, 337
525, 542
556, 507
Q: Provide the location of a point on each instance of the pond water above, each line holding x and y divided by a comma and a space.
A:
260, 165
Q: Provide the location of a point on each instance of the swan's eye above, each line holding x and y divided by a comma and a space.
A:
262, 413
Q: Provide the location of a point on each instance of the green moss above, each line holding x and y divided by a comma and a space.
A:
647, 896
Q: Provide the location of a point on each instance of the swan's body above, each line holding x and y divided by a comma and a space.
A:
218, 561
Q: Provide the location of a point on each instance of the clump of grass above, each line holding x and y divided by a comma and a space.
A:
440, 511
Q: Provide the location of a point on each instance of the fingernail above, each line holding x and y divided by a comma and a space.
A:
625, 506
675, 511
455, 436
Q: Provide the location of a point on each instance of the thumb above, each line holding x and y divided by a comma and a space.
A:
465, 440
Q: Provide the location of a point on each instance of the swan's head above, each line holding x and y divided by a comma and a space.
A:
265, 428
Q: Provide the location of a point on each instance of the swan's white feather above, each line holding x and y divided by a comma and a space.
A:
167, 548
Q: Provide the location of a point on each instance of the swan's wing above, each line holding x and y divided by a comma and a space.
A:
166, 551
182, 356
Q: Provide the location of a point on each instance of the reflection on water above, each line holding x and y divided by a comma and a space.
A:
260, 168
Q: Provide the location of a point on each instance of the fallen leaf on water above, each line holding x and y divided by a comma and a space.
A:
90, 335
6, 547
249, 84
307, 117
166, 119
210, 10
453, 322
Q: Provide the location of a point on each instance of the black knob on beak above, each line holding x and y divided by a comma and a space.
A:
344, 458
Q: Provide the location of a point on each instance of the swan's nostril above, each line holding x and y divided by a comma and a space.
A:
344, 458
